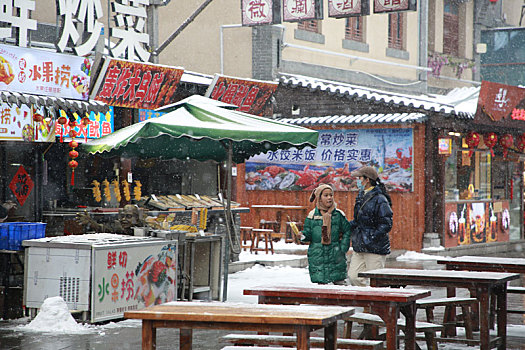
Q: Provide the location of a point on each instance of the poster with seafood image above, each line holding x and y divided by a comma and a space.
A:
18, 124
338, 153
39, 72
131, 276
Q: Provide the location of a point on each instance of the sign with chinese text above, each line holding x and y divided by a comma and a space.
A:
99, 125
348, 8
500, 101
46, 73
338, 153
257, 12
382, 6
302, 10
145, 114
132, 276
445, 146
250, 96
21, 185
136, 85
17, 124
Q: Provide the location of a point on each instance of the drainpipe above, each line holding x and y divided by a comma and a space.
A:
221, 40
423, 43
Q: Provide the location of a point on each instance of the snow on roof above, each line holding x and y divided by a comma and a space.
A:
459, 102
359, 119
196, 78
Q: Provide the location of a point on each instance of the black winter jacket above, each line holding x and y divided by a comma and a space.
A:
372, 223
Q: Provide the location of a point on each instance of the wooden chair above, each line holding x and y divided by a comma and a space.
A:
246, 235
265, 235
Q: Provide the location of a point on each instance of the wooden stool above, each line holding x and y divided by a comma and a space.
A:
266, 235
246, 234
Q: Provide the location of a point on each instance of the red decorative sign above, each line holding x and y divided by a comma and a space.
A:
382, 6
250, 96
21, 185
500, 101
348, 8
136, 85
257, 12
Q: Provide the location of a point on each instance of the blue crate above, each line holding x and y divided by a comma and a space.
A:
13, 233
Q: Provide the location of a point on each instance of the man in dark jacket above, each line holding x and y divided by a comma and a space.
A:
371, 225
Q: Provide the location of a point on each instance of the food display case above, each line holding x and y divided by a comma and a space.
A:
100, 275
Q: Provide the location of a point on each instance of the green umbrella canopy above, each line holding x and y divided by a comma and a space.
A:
201, 128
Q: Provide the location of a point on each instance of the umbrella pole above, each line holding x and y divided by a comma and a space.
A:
228, 220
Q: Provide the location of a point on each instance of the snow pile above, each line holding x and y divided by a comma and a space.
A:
55, 317
410, 255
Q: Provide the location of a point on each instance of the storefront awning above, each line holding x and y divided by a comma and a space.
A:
391, 118
78, 106
460, 102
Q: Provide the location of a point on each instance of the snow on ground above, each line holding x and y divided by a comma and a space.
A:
410, 255
56, 318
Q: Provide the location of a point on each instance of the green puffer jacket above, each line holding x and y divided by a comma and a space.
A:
327, 263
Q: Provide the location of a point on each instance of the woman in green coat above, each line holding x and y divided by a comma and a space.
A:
328, 232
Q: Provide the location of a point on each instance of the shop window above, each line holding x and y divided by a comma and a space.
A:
451, 28
354, 29
310, 26
468, 178
396, 30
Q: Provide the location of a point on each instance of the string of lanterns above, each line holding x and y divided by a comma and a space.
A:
506, 141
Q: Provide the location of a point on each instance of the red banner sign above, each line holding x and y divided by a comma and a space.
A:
250, 96
382, 6
136, 85
500, 101
21, 185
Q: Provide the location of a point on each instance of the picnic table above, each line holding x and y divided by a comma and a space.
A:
385, 302
294, 211
484, 263
239, 316
483, 283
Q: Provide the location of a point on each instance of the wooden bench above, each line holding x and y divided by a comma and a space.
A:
369, 320
290, 341
450, 319
229, 347
264, 235
515, 290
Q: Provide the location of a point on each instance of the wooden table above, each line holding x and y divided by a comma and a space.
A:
484, 283
238, 316
484, 263
296, 212
385, 302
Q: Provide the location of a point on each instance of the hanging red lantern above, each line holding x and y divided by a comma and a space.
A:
62, 120
490, 140
506, 142
73, 154
472, 141
73, 144
38, 118
521, 143
84, 123
72, 164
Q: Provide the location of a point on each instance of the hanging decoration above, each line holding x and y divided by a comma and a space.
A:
37, 118
73, 154
506, 142
521, 143
84, 123
62, 120
490, 140
472, 140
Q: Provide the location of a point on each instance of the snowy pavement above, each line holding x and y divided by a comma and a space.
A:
56, 328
